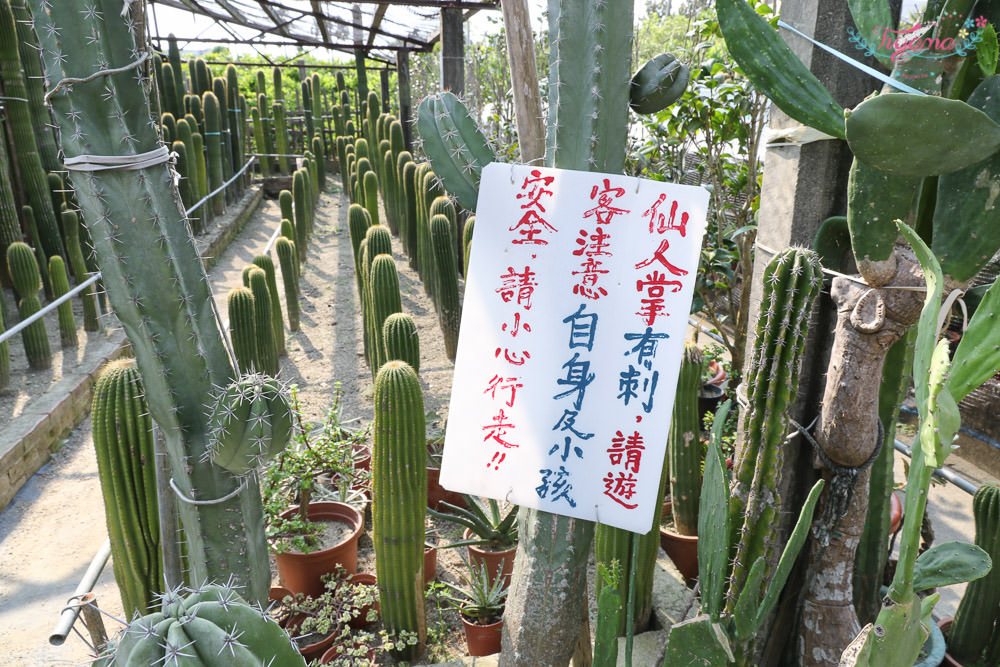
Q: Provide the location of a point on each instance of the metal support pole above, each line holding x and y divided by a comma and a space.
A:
70, 612
93, 622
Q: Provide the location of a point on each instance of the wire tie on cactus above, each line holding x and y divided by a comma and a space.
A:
107, 162
192, 501
12, 99
70, 80
841, 487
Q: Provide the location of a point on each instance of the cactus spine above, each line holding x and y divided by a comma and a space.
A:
60, 286
684, 446
385, 300
399, 490
265, 262
213, 143
975, 631
449, 304
155, 281
23, 268
399, 334
243, 328
126, 464
285, 248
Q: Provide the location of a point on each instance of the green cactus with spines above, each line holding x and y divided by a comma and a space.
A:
449, 303
197, 156
312, 174
4, 357
399, 490
385, 300
467, 243
310, 200
288, 231
342, 162
172, 100
454, 144
443, 206
279, 90
358, 222
300, 198
391, 195
174, 60
267, 347
370, 188
251, 423
432, 189
126, 466
285, 202
373, 110
23, 269
975, 632
658, 84
71, 233
259, 142
184, 184
403, 158
307, 109
261, 82
196, 111
199, 625
383, 148
57, 194
361, 148
236, 139
285, 247
684, 445
277, 323
201, 82
408, 225
219, 89
10, 225
213, 144
243, 328
317, 147
402, 343
169, 125
245, 274
377, 242
60, 286
280, 135
610, 613
30, 224
362, 166
267, 129
317, 110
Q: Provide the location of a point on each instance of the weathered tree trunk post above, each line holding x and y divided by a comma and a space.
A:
384, 84
405, 103
452, 51
524, 77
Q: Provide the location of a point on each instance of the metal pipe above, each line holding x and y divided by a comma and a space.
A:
70, 613
221, 187
17, 328
944, 473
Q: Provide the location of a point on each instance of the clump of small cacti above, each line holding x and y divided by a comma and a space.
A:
289, 277
243, 328
126, 465
23, 269
251, 423
449, 303
60, 286
399, 333
399, 491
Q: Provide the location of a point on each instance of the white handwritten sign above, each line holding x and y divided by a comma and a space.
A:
573, 328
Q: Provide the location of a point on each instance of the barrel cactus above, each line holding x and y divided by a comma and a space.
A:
126, 465
399, 334
251, 422
23, 269
209, 625
399, 490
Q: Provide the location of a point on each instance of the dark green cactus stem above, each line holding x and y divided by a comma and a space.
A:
243, 328
317, 111
196, 111
371, 195
34, 176
261, 83
41, 121
317, 147
390, 196
432, 190
259, 143
361, 149
372, 110
60, 286
236, 140
975, 628
10, 226
399, 334
57, 193
442, 206
449, 303
213, 143
362, 166
4, 357
277, 323
342, 162
251, 423
245, 274
380, 153
201, 624
279, 90
684, 445
287, 259
43, 266
222, 95
169, 125
201, 170
399, 490
267, 125
126, 465
281, 136
184, 185
791, 280
23, 269
610, 614
203, 77
307, 110
358, 222
467, 243
267, 348
71, 232
377, 242
385, 300
174, 60
300, 197
155, 281
408, 223
312, 171
186, 136
285, 202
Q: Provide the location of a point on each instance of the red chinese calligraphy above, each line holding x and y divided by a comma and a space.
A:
621, 488
516, 358
653, 303
537, 189
659, 256
529, 226
659, 223
498, 429
518, 284
588, 281
630, 447
510, 384
604, 211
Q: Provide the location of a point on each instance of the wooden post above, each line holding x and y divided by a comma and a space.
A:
452, 51
93, 622
384, 82
405, 108
524, 76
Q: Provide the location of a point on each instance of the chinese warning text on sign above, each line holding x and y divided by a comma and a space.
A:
573, 325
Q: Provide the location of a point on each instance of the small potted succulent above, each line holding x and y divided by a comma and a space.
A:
490, 535
362, 649
316, 623
310, 537
480, 601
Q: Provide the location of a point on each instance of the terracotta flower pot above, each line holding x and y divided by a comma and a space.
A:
945, 625
276, 595
369, 580
682, 549
362, 458
494, 559
437, 493
334, 652
895, 512
430, 564
482, 639
314, 650
302, 573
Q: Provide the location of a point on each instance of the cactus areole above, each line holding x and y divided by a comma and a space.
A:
154, 277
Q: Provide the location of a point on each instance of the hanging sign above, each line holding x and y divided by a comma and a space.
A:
572, 333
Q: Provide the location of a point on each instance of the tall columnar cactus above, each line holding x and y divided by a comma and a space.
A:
243, 328
155, 281
222, 95
27, 44
267, 129
467, 231
169, 124
251, 423
684, 446
202, 80
301, 200
432, 189
71, 233
259, 141
385, 300
200, 625
23, 269
281, 135
174, 60
391, 196
236, 121
399, 491
30, 224
265, 262
10, 226
408, 226
399, 334
197, 156
4, 357
316, 89
976, 630
196, 111
285, 248
60, 286
126, 465
358, 222
184, 185
317, 148
267, 347
442, 206
378, 241
213, 144
307, 109
370, 188
288, 231
285, 202
449, 303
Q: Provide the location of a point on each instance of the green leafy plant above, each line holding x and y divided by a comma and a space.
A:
478, 598
492, 528
342, 601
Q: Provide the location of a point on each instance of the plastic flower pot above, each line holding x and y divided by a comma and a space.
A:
482, 639
495, 560
317, 648
430, 564
362, 619
303, 572
335, 651
945, 625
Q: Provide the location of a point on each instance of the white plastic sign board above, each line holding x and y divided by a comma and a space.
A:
572, 333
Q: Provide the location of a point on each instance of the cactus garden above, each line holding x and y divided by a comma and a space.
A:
250, 325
